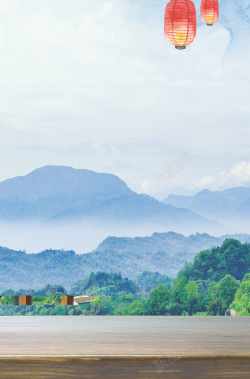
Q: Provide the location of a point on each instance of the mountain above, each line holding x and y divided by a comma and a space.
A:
229, 207
62, 194
165, 253
50, 190
168, 242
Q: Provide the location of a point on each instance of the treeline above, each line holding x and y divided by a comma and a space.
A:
232, 258
217, 280
103, 283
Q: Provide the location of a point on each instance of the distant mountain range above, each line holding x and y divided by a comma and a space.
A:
230, 207
58, 206
165, 253
169, 242
62, 194
54, 204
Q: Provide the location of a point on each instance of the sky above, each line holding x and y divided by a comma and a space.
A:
95, 85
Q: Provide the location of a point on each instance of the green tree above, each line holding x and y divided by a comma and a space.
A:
214, 264
220, 295
241, 302
216, 307
101, 306
147, 281
192, 297
137, 308
227, 289
192, 290
157, 301
179, 293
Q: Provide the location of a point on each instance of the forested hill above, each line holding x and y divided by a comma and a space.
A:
21, 270
232, 258
217, 279
170, 242
103, 283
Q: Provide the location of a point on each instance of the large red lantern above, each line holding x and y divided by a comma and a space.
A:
209, 11
180, 23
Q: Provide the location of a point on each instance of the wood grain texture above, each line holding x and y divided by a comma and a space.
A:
124, 368
125, 347
101, 335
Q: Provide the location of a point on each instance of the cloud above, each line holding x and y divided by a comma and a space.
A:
101, 149
71, 75
238, 175
102, 13
8, 5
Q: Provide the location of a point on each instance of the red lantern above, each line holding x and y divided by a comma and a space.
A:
209, 11
180, 23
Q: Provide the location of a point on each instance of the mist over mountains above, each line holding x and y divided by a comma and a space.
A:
58, 211
230, 207
58, 193
60, 207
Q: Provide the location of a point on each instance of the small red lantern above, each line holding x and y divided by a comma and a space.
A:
180, 23
209, 11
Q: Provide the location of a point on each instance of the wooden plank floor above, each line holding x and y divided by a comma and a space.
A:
125, 347
133, 368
